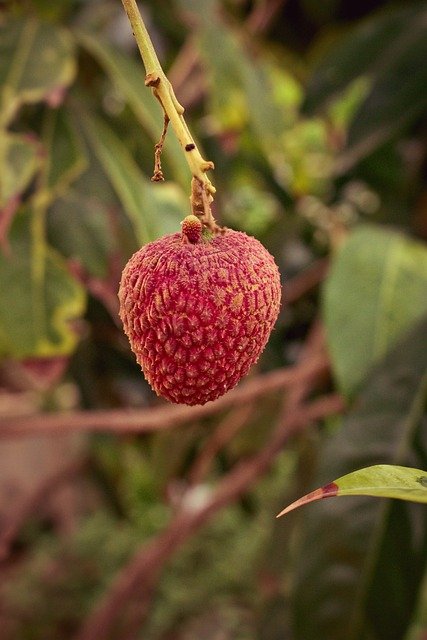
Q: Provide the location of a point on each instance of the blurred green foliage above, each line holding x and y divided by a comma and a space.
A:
316, 124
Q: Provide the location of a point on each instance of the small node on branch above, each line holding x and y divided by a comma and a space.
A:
163, 91
207, 165
152, 80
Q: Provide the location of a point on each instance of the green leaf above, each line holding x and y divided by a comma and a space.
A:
65, 155
19, 160
360, 52
266, 118
40, 298
18, 164
80, 228
376, 289
389, 51
351, 552
128, 77
397, 96
152, 208
320, 12
381, 481
244, 90
87, 225
36, 64
418, 627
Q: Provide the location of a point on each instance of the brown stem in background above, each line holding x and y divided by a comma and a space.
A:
138, 578
314, 347
184, 64
231, 424
263, 15
31, 504
162, 417
292, 405
306, 280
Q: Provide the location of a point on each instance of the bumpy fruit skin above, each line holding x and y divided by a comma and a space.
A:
191, 229
198, 315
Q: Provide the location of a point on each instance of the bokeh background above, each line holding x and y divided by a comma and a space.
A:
124, 517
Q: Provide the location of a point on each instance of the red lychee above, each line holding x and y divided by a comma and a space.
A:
198, 312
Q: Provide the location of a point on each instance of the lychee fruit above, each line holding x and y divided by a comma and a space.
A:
198, 310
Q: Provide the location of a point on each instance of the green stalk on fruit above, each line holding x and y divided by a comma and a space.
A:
155, 78
198, 308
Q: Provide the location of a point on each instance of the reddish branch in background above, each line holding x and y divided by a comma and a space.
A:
31, 503
137, 580
122, 421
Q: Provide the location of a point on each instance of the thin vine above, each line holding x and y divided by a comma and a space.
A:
202, 190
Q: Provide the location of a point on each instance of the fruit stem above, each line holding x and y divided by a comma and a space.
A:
163, 91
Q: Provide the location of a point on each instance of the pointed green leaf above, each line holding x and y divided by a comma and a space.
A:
381, 481
418, 629
87, 225
376, 289
124, 175
266, 117
36, 63
151, 207
244, 88
352, 551
357, 53
128, 77
18, 163
65, 155
397, 97
80, 228
40, 298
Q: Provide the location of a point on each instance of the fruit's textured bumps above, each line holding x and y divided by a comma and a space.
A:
191, 229
199, 313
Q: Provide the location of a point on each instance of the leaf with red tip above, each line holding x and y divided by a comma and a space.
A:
381, 480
